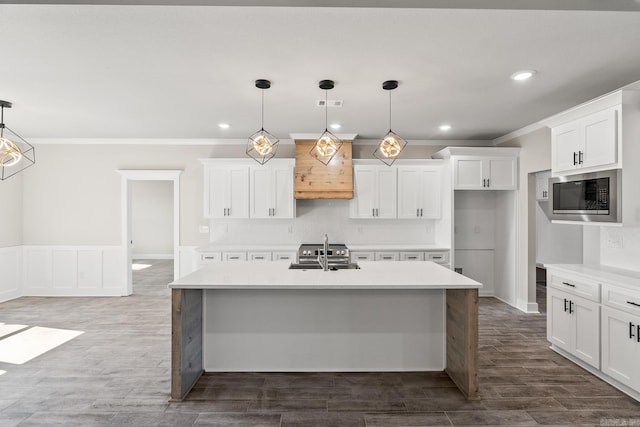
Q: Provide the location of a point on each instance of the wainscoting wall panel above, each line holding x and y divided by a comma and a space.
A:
73, 271
11, 268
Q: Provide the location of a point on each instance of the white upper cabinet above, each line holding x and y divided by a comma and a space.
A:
482, 168
237, 188
375, 189
271, 190
226, 192
586, 144
542, 185
419, 192
478, 173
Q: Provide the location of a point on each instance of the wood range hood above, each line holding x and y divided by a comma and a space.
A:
316, 181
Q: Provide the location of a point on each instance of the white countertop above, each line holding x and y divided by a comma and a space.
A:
244, 248
294, 248
613, 276
398, 247
371, 275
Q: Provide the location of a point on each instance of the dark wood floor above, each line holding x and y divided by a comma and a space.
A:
117, 373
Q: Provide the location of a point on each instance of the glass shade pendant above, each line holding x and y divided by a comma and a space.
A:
391, 145
262, 146
16, 154
328, 144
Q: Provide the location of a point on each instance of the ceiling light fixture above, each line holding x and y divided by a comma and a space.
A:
262, 146
391, 145
445, 127
523, 75
16, 154
328, 144
224, 125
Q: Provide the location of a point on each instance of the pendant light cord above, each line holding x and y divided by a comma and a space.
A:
326, 120
262, 112
2, 121
389, 110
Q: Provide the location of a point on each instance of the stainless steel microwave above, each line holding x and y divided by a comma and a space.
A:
589, 197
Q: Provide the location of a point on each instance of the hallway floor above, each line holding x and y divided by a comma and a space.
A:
117, 373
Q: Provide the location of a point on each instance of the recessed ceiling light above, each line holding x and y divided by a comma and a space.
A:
523, 75
445, 127
224, 125
335, 126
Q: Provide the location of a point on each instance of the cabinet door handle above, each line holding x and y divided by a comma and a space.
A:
575, 156
373, 212
228, 211
421, 212
417, 212
633, 303
484, 181
565, 305
488, 184
631, 326
569, 284
580, 154
638, 333
377, 212
571, 310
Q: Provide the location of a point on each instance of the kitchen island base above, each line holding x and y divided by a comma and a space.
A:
284, 330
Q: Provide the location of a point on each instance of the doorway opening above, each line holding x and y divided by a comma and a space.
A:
157, 260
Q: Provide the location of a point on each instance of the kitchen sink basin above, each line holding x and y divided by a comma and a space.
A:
332, 267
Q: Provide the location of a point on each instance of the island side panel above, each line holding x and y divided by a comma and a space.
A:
462, 340
186, 340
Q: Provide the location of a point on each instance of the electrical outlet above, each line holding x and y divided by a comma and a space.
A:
615, 242
290, 229
203, 229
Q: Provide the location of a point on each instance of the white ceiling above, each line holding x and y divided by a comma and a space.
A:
114, 71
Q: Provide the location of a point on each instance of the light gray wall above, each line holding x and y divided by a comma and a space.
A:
11, 210
72, 195
152, 218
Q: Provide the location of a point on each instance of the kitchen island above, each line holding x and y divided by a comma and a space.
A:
264, 317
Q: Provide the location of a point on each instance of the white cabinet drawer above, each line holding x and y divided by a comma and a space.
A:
259, 256
621, 298
362, 256
441, 257
209, 257
284, 256
235, 256
411, 256
387, 256
585, 288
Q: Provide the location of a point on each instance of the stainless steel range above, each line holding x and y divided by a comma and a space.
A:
312, 256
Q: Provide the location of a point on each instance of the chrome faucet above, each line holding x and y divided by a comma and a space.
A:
324, 260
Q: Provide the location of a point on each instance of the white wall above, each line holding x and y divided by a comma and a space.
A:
535, 156
626, 257
152, 219
557, 243
11, 210
11, 236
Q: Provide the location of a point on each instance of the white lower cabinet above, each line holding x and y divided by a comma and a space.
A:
387, 256
234, 256
259, 256
284, 256
621, 346
571, 323
596, 322
362, 256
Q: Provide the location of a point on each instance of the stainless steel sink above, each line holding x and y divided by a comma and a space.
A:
314, 266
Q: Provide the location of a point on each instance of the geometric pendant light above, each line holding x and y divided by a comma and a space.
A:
16, 154
391, 145
262, 146
328, 144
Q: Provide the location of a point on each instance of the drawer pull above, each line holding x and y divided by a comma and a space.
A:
436, 257
631, 326
387, 257
633, 303
569, 284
